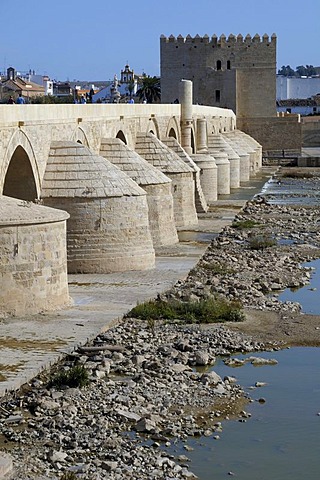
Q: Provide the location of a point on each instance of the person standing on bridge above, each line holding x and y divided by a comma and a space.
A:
11, 101
20, 99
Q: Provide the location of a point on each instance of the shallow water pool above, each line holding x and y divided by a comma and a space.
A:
309, 295
281, 441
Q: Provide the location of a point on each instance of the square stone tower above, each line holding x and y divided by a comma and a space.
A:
235, 72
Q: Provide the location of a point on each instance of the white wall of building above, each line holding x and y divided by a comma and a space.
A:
291, 87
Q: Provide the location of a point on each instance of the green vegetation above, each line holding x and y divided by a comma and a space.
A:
300, 71
243, 224
75, 377
260, 242
211, 310
50, 99
150, 89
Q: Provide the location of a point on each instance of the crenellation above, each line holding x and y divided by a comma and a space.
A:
231, 39
214, 40
180, 39
265, 38
206, 38
222, 41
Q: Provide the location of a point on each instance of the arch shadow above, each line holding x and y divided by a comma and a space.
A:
20, 176
122, 137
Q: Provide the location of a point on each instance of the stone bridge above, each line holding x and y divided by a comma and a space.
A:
126, 176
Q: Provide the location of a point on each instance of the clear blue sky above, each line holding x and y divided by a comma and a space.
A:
78, 39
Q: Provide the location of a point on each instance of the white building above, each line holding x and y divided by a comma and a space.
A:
127, 86
297, 87
42, 80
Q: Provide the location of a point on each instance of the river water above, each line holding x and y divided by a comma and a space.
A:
281, 439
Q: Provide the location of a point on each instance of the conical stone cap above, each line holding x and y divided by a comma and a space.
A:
74, 171
20, 212
130, 162
176, 147
159, 155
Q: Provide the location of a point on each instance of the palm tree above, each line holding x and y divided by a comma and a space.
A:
150, 89
131, 88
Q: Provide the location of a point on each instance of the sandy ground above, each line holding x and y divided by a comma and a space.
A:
288, 329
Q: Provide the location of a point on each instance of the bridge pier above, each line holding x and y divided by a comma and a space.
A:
33, 259
108, 230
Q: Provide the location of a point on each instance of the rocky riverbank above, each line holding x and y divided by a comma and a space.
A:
151, 383
233, 267
145, 392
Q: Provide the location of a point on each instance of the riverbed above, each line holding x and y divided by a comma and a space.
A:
280, 438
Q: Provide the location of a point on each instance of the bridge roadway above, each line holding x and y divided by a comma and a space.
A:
31, 344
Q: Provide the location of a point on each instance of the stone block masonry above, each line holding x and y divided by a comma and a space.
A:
33, 261
235, 72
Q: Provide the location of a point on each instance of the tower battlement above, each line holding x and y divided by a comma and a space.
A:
222, 41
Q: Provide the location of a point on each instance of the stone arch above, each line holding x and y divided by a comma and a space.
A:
153, 127
20, 176
112, 130
172, 133
122, 137
80, 136
173, 129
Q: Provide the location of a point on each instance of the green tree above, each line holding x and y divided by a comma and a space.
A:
40, 99
287, 71
301, 71
311, 70
131, 88
150, 89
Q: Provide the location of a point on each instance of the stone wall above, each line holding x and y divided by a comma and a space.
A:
311, 131
107, 235
33, 260
35, 127
274, 133
234, 72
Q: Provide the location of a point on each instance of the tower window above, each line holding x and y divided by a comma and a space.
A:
218, 96
228, 65
218, 64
